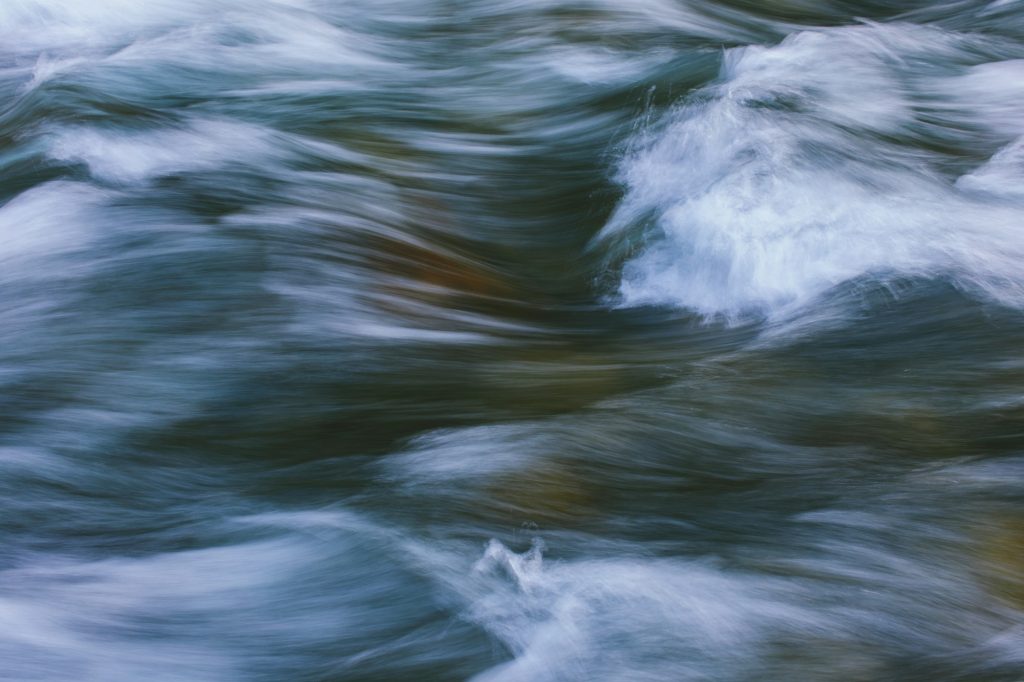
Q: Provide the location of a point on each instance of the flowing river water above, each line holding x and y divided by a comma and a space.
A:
512, 340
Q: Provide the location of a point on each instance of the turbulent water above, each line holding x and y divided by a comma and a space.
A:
512, 340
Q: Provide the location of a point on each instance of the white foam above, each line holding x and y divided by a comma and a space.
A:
603, 66
773, 187
215, 609
462, 456
163, 45
624, 619
127, 158
1002, 176
38, 24
988, 95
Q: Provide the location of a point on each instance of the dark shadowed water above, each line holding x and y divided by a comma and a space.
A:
517, 340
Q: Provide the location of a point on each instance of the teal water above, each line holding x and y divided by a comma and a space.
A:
520, 340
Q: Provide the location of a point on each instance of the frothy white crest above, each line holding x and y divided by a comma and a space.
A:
1001, 176
602, 66
525, 569
987, 96
776, 184
259, 45
54, 23
137, 157
460, 456
69, 619
623, 619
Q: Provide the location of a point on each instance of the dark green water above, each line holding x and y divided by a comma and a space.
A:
518, 340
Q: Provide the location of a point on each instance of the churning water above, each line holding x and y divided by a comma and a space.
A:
512, 340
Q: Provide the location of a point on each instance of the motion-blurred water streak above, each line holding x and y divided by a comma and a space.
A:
511, 340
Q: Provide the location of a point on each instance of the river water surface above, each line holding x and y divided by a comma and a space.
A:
511, 340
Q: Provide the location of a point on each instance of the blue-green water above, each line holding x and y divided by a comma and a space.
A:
516, 340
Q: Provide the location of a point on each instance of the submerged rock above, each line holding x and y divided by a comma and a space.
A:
1001, 553
551, 491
